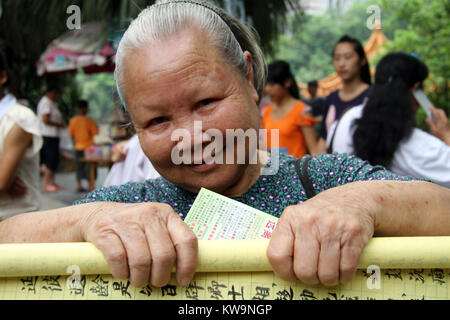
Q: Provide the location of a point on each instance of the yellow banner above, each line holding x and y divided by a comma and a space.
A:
389, 268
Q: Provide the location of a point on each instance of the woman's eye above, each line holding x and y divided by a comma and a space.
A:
206, 102
158, 120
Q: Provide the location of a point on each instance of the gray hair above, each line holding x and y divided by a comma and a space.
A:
166, 18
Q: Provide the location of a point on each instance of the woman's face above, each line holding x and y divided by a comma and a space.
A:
346, 61
171, 84
275, 91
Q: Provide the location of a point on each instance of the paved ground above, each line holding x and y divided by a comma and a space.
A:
67, 197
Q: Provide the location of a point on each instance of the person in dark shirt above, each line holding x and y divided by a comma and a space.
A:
352, 66
316, 104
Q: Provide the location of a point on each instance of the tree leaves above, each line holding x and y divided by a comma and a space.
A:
28, 26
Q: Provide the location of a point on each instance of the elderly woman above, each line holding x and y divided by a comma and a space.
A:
184, 61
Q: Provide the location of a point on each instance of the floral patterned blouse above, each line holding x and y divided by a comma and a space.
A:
271, 193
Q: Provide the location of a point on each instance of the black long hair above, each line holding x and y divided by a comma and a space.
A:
364, 71
278, 72
388, 116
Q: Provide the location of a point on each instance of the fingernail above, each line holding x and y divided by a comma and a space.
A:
185, 282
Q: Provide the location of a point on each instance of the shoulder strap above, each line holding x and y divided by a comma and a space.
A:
304, 177
330, 147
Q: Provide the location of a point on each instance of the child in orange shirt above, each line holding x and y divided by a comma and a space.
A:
82, 129
286, 113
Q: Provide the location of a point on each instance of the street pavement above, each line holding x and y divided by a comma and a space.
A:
66, 197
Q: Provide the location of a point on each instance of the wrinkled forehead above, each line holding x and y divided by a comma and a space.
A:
185, 56
189, 38
190, 46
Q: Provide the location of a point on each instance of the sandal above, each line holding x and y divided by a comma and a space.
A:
50, 189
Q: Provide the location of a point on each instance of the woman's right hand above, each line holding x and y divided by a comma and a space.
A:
441, 126
142, 242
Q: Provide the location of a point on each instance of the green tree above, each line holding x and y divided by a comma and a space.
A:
28, 26
308, 46
412, 26
427, 35
99, 91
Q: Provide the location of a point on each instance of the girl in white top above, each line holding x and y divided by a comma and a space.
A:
382, 131
20, 142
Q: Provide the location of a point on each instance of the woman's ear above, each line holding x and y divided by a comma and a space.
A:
3, 78
288, 83
250, 75
363, 62
415, 86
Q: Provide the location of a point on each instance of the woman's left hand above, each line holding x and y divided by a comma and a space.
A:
441, 126
322, 239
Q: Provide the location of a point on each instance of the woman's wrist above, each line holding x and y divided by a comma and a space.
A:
371, 199
91, 211
443, 135
358, 197
446, 138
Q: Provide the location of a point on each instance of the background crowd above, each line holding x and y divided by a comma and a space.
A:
373, 115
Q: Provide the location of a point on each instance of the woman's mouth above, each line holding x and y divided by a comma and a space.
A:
208, 163
204, 167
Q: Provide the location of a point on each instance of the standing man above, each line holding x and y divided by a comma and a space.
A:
317, 104
82, 129
316, 101
50, 119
